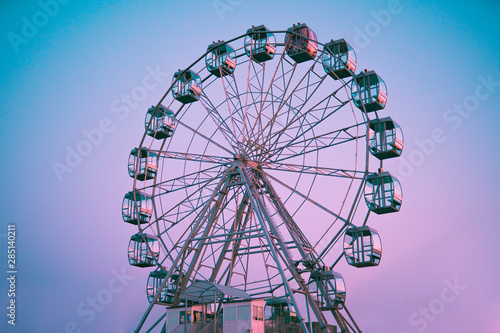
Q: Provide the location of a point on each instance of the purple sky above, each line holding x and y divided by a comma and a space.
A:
63, 78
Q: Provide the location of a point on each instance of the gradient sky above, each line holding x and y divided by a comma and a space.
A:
62, 79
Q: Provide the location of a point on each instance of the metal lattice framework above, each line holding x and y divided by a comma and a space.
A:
251, 168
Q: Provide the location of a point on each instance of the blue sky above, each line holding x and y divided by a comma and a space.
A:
61, 79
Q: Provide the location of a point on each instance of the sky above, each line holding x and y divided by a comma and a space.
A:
66, 66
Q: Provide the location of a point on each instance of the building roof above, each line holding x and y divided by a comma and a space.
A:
205, 291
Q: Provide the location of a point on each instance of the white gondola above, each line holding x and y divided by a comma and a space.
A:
329, 288
143, 250
369, 91
385, 138
187, 88
301, 43
362, 246
143, 163
162, 122
137, 207
220, 59
260, 44
339, 59
155, 281
383, 193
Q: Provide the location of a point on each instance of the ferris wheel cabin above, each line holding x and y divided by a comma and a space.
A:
143, 250
162, 122
137, 207
329, 287
155, 281
301, 43
339, 59
282, 318
260, 44
362, 246
383, 193
220, 59
369, 91
187, 89
385, 138
143, 163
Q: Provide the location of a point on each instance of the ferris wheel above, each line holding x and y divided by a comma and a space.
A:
249, 179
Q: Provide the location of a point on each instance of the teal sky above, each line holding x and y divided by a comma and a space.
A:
65, 77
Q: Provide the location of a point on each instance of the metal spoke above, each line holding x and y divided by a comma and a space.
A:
204, 137
315, 143
185, 181
229, 135
309, 169
195, 157
305, 197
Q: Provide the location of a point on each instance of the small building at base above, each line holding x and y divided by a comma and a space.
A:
213, 308
192, 318
235, 317
243, 316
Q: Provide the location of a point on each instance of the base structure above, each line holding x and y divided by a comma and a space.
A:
295, 292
